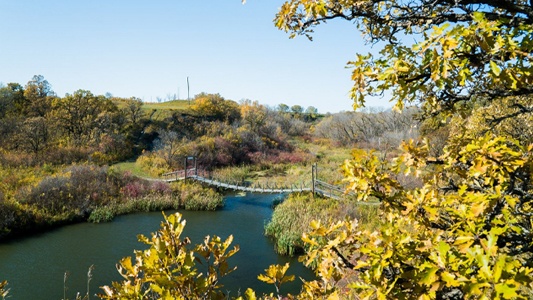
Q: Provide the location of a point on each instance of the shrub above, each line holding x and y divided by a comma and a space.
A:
77, 190
134, 189
138, 188
152, 164
8, 213
102, 214
194, 196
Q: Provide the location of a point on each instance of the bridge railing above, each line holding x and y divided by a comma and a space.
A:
333, 191
181, 174
318, 186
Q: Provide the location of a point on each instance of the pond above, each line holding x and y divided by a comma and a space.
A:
35, 266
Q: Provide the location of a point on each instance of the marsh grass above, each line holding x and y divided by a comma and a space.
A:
185, 195
146, 203
293, 217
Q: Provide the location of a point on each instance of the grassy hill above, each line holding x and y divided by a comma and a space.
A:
169, 105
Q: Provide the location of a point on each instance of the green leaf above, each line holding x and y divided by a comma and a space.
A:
428, 276
495, 68
506, 290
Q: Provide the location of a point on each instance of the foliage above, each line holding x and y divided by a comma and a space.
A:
168, 269
216, 107
465, 51
502, 117
291, 219
464, 234
193, 196
152, 164
275, 274
4, 291
80, 114
75, 191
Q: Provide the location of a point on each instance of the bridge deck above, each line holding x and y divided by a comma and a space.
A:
322, 188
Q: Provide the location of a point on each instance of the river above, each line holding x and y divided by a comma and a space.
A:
35, 266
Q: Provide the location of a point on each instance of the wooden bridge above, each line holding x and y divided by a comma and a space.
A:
204, 177
316, 186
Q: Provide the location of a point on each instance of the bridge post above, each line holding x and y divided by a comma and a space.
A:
313, 171
185, 167
195, 166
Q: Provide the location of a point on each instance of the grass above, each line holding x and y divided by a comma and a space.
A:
133, 168
328, 158
169, 105
292, 218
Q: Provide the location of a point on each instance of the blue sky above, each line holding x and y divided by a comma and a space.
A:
147, 49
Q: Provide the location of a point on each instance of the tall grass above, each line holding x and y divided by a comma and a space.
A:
292, 218
193, 196
146, 203
187, 195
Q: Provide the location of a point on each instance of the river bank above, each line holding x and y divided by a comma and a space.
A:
35, 266
95, 194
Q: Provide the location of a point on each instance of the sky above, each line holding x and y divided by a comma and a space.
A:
147, 49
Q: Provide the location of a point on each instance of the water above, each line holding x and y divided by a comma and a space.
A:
35, 266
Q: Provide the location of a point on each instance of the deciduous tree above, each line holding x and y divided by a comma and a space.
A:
442, 54
78, 114
39, 94
466, 233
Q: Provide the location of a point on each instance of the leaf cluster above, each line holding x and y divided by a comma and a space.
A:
465, 234
460, 52
168, 268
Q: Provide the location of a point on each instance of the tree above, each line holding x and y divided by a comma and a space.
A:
466, 233
284, 108
169, 147
311, 113
216, 107
253, 114
78, 114
35, 134
11, 99
297, 109
39, 95
465, 52
134, 111
167, 270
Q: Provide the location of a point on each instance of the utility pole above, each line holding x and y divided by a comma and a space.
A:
188, 90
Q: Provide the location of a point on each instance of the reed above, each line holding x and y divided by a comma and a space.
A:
292, 218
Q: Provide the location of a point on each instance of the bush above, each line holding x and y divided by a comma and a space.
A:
137, 188
152, 164
102, 214
194, 196
76, 191
8, 212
